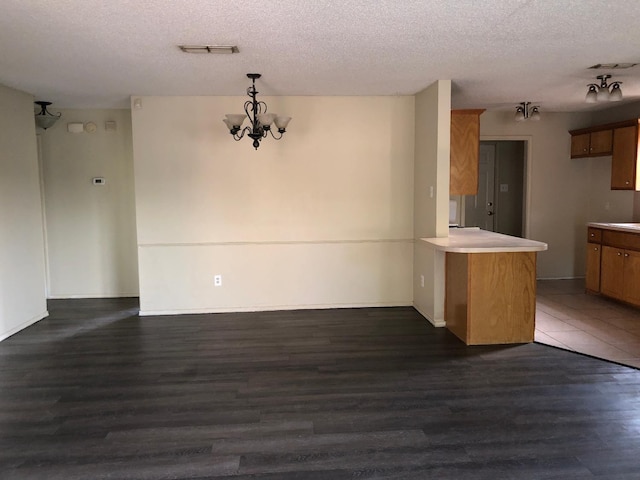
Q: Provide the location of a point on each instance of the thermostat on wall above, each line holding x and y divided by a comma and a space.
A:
90, 127
99, 180
75, 127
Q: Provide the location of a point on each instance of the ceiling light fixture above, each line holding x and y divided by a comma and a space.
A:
220, 49
44, 118
260, 120
604, 92
525, 112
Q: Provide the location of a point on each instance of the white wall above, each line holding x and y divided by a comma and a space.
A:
22, 269
321, 218
564, 193
431, 213
90, 229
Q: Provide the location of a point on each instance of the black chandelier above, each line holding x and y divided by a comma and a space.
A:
603, 92
260, 120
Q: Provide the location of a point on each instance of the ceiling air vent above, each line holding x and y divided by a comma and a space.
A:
613, 66
219, 49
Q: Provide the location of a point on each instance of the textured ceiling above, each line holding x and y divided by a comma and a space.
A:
97, 53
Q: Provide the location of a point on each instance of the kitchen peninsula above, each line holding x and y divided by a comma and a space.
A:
490, 286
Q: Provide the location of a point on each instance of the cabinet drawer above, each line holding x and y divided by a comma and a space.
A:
594, 235
621, 239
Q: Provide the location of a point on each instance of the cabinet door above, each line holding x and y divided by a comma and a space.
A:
593, 267
465, 145
600, 143
611, 268
631, 290
580, 145
623, 158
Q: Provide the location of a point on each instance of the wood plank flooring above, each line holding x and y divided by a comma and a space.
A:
95, 392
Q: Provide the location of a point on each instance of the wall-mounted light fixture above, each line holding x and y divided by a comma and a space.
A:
260, 120
525, 111
44, 118
604, 92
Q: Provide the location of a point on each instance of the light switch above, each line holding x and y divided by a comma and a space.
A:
98, 180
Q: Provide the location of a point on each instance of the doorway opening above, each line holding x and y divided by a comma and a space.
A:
500, 205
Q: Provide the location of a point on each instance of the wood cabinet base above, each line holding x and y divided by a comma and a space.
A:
491, 297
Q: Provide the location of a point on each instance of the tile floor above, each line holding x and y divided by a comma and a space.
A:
568, 318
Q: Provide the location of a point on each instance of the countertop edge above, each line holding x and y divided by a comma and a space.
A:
615, 227
482, 241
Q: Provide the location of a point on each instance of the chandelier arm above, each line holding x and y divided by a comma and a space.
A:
238, 135
273, 135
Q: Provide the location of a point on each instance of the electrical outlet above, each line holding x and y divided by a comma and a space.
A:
422, 281
217, 280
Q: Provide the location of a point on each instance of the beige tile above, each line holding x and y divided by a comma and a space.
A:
568, 318
580, 302
631, 347
542, 337
588, 324
547, 323
628, 324
601, 350
632, 362
577, 338
558, 311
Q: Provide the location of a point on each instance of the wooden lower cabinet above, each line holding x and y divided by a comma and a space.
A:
490, 298
631, 276
611, 270
593, 267
620, 274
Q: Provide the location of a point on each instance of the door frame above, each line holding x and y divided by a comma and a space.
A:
528, 141
43, 210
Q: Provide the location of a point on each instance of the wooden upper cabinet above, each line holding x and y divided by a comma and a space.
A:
624, 158
591, 144
580, 145
465, 147
620, 140
600, 142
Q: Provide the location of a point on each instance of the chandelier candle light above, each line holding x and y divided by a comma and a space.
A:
604, 92
260, 120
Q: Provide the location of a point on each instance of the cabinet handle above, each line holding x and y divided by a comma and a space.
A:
626, 254
619, 254
595, 248
627, 182
593, 234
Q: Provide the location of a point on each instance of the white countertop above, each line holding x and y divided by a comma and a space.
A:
474, 240
621, 227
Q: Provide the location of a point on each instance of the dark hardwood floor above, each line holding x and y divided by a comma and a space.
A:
95, 392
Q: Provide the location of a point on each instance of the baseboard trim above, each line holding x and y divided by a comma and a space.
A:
114, 295
24, 325
438, 324
267, 308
